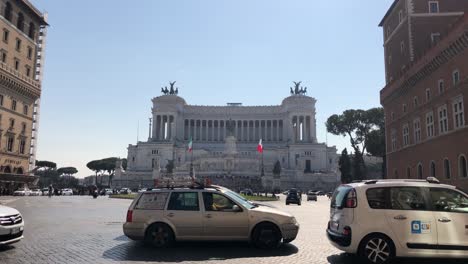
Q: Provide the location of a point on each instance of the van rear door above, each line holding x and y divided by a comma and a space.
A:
339, 215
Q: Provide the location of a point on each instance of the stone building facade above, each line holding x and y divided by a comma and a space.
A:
426, 59
225, 140
23, 32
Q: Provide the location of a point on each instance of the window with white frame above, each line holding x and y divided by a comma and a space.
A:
394, 140
430, 124
456, 77
417, 130
435, 37
441, 86
433, 6
10, 141
443, 119
400, 16
406, 140
428, 94
458, 112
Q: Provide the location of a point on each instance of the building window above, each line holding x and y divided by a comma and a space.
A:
12, 123
415, 101
32, 31
17, 63
435, 37
462, 170
447, 170
390, 60
388, 32
4, 56
420, 171
28, 71
393, 116
428, 94
13, 105
417, 130
406, 140
6, 35
433, 6
458, 113
30, 52
430, 124
402, 47
22, 146
1, 99
18, 44
443, 120
394, 141
404, 108
7, 13
433, 169
441, 86
400, 16
408, 173
20, 21
23, 128
456, 77
10, 142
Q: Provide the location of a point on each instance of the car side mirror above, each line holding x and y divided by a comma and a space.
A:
236, 208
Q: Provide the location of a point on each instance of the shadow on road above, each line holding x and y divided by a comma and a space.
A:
191, 251
352, 259
4, 248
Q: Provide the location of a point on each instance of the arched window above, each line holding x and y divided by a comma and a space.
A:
462, 170
395, 173
447, 168
433, 169
19, 170
7, 13
32, 30
408, 173
20, 22
420, 172
7, 169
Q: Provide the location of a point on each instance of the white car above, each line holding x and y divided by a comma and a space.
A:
108, 191
383, 219
35, 192
22, 192
125, 191
67, 192
11, 225
162, 216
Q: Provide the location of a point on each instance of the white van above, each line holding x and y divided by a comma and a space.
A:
383, 219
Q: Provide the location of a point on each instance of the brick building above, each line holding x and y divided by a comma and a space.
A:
426, 69
22, 33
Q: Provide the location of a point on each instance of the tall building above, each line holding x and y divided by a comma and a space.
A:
22, 32
224, 149
426, 69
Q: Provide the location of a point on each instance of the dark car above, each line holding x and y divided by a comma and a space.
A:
293, 197
320, 193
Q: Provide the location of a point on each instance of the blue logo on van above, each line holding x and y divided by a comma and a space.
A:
416, 227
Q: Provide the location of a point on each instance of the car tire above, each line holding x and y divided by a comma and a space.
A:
377, 249
287, 241
159, 236
287, 203
266, 236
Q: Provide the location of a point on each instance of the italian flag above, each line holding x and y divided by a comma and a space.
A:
189, 147
260, 147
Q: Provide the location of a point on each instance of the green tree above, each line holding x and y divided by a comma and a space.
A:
357, 125
44, 164
345, 167
67, 171
95, 165
47, 172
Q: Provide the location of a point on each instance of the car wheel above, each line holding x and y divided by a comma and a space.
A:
377, 249
287, 203
266, 236
159, 236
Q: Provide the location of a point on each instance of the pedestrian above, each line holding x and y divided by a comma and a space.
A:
50, 190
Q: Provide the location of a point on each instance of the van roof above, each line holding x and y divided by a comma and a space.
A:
429, 182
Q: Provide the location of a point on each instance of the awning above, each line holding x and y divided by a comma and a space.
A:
20, 178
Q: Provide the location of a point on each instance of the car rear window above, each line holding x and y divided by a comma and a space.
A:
152, 201
339, 196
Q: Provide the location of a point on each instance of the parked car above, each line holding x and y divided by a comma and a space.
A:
142, 190
11, 225
160, 217
108, 191
125, 191
35, 192
320, 193
311, 196
67, 192
45, 191
383, 219
248, 192
293, 197
22, 192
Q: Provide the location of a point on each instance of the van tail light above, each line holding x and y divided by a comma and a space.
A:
351, 199
129, 216
347, 231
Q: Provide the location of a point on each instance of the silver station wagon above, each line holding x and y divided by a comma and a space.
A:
162, 216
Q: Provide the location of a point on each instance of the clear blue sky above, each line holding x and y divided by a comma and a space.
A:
106, 59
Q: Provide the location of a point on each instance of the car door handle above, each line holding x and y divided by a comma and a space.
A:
444, 220
208, 216
170, 215
400, 217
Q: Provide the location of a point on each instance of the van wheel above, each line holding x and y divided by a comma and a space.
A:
159, 236
266, 236
377, 249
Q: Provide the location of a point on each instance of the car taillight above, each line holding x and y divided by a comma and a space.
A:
347, 231
351, 199
129, 216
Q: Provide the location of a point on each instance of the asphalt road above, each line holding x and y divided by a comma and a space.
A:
86, 230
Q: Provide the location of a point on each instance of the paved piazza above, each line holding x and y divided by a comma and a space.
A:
84, 230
